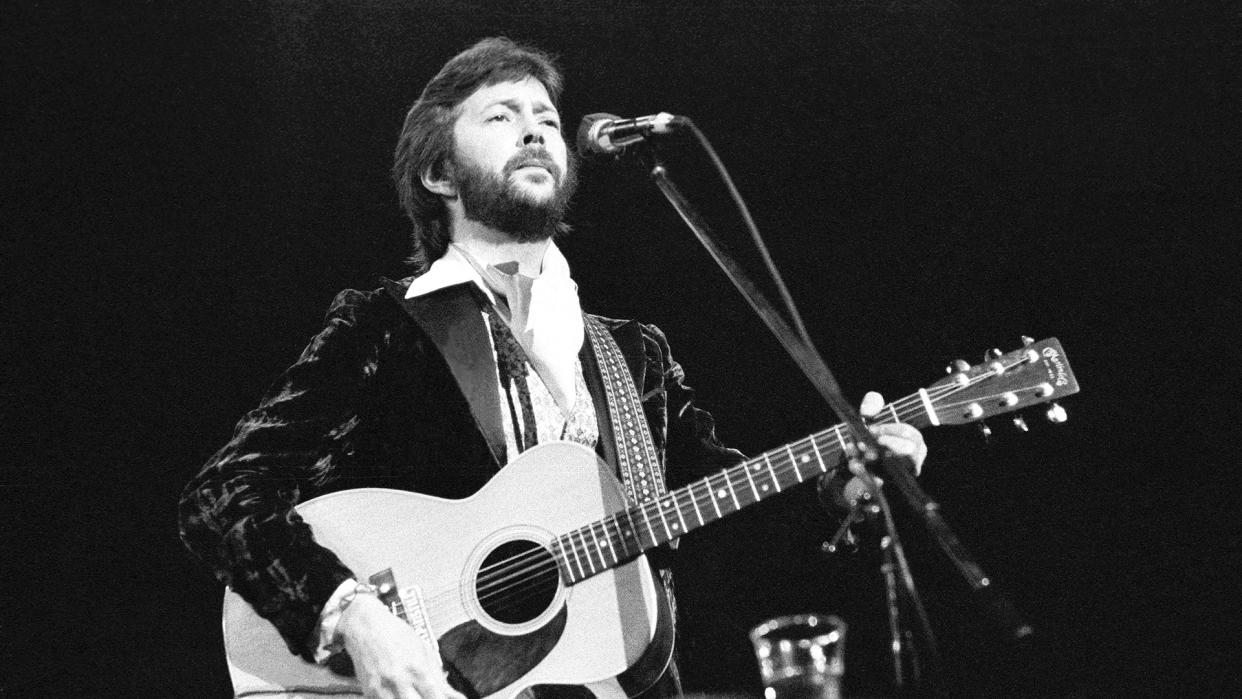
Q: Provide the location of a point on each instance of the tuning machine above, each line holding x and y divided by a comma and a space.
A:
957, 366
1056, 414
958, 369
993, 359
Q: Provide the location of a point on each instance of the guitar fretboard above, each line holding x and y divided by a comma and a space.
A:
629, 533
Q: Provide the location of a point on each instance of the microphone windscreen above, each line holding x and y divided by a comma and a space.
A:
587, 143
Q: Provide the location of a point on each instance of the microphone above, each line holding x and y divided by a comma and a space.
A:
606, 134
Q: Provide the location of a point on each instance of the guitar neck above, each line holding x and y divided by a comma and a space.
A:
1036, 373
629, 533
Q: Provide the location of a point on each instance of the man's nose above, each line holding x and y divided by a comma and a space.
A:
532, 137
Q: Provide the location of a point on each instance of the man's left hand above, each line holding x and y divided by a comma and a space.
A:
898, 437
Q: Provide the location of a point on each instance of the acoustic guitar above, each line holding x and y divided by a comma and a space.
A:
540, 577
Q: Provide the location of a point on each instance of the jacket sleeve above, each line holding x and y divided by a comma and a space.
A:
237, 515
691, 448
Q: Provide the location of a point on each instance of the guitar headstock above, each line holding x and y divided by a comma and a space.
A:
1037, 373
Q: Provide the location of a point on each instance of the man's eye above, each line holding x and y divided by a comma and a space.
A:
552, 122
499, 117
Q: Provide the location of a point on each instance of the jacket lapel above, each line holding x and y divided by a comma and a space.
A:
453, 322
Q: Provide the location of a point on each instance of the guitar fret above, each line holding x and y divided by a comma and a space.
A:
694, 500
627, 534
818, 455
776, 483
647, 520
792, 459
845, 449
712, 493
601, 548
729, 482
797, 468
586, 551
928, 408
663, 520
610, 536
610, 544
677, 509
570, 562
573, 548
616, 541
558, 551
750, 480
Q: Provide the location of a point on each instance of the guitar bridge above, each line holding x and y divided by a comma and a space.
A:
406, 605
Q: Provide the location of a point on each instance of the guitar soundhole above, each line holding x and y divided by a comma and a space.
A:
517, 582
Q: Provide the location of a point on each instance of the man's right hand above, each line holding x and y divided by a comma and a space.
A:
390, 659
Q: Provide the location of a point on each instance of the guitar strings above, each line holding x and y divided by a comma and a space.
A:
511, 581
518, 568
504, 583
502, 579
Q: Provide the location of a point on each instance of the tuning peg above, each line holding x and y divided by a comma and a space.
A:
1020, 423
1027, 340
1056, 414
985, 431
958, 365
993, 353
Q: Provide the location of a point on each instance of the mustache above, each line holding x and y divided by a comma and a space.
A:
533, 157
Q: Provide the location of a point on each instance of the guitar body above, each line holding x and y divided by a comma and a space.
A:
497, 635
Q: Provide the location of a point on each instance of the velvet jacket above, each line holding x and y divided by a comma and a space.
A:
395, 394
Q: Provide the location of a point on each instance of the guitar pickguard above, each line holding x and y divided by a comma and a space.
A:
488, 662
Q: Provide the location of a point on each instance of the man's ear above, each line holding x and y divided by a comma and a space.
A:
436, 179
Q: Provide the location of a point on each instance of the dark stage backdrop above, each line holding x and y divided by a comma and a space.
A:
187, 185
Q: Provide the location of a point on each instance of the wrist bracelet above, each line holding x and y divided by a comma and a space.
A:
360, 589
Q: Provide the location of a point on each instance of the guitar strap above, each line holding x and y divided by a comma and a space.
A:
636, 454
641, 481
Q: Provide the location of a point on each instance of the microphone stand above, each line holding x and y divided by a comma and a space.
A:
895, 469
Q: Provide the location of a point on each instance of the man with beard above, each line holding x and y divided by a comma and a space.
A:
435, 383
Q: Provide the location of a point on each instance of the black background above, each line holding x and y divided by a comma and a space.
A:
187, 185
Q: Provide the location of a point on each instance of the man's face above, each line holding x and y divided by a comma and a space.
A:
511, 165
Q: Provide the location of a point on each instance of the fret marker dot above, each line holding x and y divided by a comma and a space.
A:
720, 494
674, 527
603, 544
764, 488
806, 459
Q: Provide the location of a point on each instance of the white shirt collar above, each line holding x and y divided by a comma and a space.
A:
545, 316
452, 268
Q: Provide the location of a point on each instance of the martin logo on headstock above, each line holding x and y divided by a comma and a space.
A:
1056, 367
